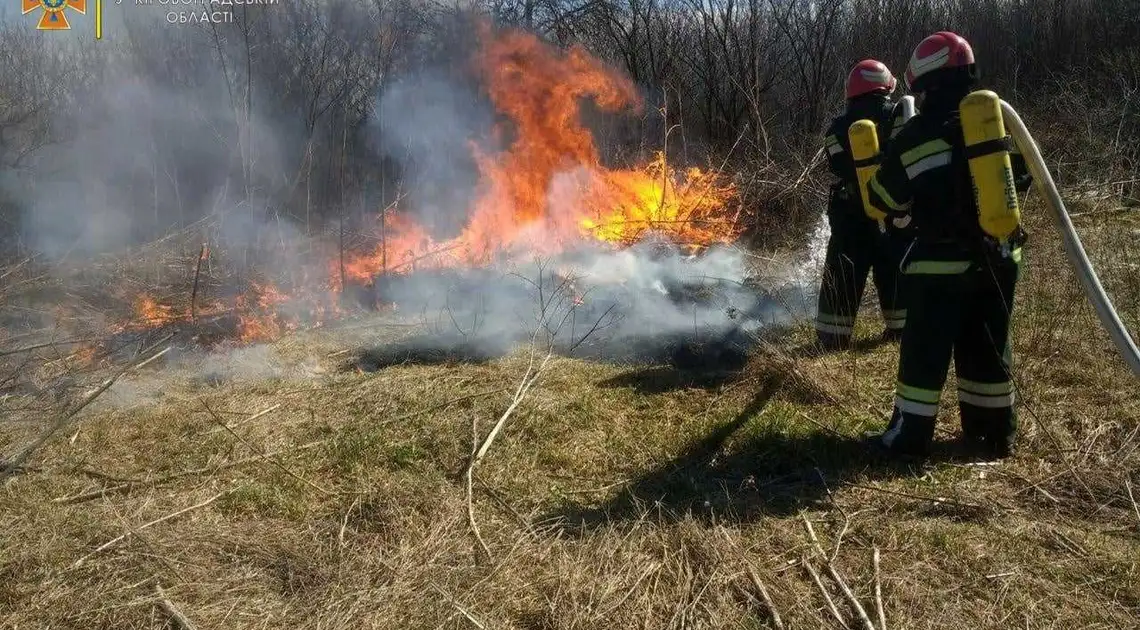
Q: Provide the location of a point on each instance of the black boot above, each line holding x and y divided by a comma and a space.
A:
910, 440
981, 442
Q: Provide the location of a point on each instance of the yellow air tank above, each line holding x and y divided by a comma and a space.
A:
987, 149
864, 140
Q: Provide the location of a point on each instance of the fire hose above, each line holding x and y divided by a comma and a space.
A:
1072, 243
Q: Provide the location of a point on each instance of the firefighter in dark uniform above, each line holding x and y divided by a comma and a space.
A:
858, 244
960, 280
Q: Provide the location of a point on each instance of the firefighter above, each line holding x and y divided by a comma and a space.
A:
858, 244
960, 280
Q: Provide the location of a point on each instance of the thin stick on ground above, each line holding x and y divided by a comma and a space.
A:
171, 610
10, 467
823, 591
755, 578
194, 292
1135, 507
132, 484
273, 460
427, 410
114, 541
470, 497
528, 380
838, 578
48, 344
448, 597
919, 497
779, 623
255, 416
530, 377
878, 590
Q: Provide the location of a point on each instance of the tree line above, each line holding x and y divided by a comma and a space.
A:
277, 113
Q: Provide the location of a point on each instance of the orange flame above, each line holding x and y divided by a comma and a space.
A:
150, 314
549, 189
546, 192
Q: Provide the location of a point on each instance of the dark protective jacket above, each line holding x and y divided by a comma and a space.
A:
924, 174
845, 199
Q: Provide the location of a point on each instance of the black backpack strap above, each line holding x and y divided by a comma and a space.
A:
965, 222
989, 147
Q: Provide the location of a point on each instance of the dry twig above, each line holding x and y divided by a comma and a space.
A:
469, 477
826, 596
255, 416
755, 578
1135, 507
48, 344
194, 291
118, 539
530, 377
779, 623
838, 578
168, 607
879, 591
10, 467
271, 459
129, 485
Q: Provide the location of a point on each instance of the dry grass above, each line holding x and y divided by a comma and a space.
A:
616, 497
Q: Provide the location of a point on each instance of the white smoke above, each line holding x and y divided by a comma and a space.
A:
197, 369
588, 297
153, 146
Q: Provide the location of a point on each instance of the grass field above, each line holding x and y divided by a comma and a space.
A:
615, 496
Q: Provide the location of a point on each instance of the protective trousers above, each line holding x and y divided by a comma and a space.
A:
855, 248
961, 309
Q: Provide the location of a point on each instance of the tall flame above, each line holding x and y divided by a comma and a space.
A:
549, 189
546, 192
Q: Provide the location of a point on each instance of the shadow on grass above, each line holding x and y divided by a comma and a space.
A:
766, 474
430, 350
860, 345
695, 357
661, 379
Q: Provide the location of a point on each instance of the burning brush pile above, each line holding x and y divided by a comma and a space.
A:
608, 261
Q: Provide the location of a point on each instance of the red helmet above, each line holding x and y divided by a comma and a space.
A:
870, 76
940, 52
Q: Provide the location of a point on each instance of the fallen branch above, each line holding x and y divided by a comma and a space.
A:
919, 497
820, 425
168, 607
426, 410
878, 590
438, 589
255, 416
114, 541
272, 460
129, 485
446, 403
755, 578
779, 623
826, 596
530, 377
1135, 507
16, 267
835, 576
10, 467
194, 292
470, 497
49, 344
412, 262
